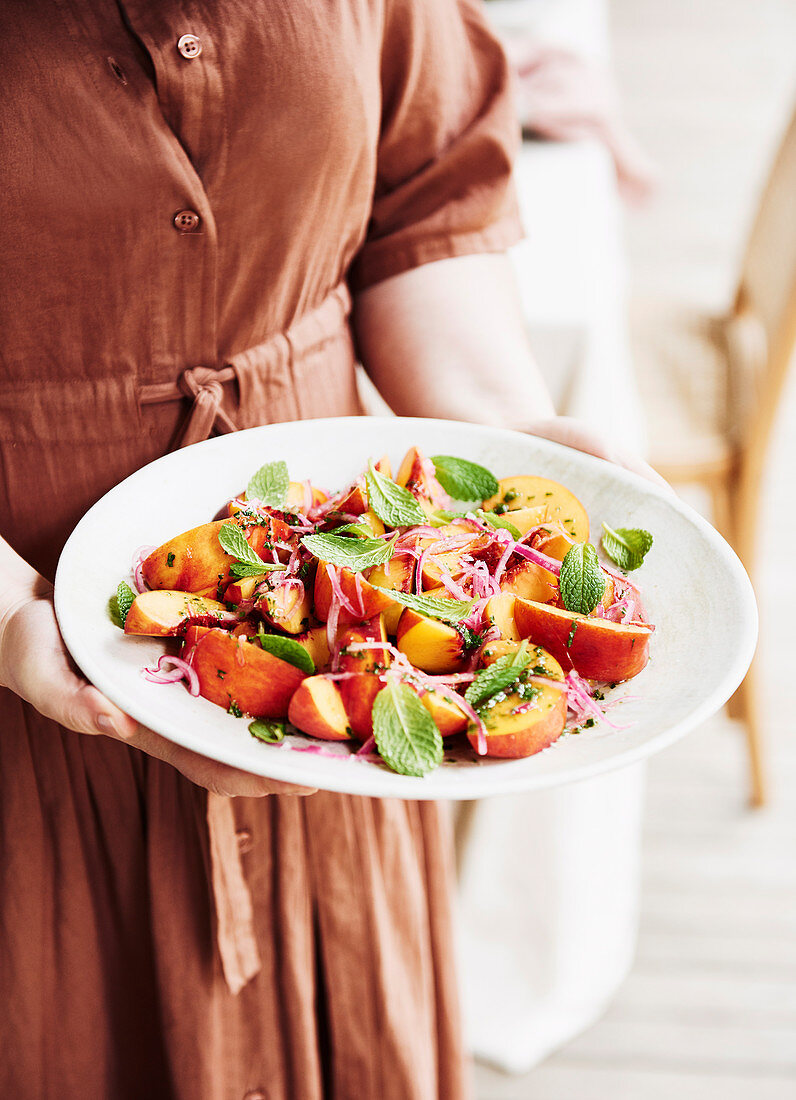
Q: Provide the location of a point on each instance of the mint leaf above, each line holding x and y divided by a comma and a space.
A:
353, 554
450, 611
354, 529
498, 676
287, 650
265, 730
233, 540
241, 569
269, 485
464, 480
124, 601
392, 503
581, 581
406, 735
627, 546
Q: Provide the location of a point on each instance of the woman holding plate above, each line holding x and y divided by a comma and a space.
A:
192, 194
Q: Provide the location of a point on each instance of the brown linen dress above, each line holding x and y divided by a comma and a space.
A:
187, 191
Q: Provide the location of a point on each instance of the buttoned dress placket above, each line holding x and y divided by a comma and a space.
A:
189, 86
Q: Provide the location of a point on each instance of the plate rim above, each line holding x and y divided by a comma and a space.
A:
467, 786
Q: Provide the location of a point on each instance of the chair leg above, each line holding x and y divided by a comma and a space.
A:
746, 704
743, 706
721, 503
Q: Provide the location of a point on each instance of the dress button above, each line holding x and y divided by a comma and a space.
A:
189, 46
186, 221
245, 841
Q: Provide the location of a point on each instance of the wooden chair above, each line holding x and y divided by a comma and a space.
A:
712, 387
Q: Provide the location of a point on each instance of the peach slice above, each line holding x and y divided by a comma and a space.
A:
242, 589
430, 645
237, 674
517, 726
499, 611
529, 581
596, 648
191, 637
417, 475
358, 693
449, 718
296, 496
163, 612
316, 643
356, 500
371, 521
245, 630
397, 574
317, 708
523, 519
189, 562
535, 492
361, 595
286, 607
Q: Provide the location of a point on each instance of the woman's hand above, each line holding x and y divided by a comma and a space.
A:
34, 663
575, 433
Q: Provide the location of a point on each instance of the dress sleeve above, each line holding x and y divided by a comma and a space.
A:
448, 136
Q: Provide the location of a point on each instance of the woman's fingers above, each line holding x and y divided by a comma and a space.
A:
216, 777
37, 667
574, 433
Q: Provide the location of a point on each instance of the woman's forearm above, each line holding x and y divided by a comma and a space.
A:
447, 339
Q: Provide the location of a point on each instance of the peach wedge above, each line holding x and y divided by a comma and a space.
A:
359, 692
163, 612
429, 644
238, 675
359, 595
596, 648
555, 500
518, 727
448, 718
317, 709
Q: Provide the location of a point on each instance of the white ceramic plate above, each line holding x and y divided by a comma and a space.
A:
695, 589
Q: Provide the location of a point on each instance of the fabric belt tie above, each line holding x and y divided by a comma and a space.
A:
204, 387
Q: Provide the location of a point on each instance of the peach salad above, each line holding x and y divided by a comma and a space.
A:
399, 612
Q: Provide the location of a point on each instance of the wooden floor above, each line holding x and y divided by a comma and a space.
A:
709, 1010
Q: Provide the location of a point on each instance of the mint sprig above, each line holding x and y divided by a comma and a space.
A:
626, 546
269, 485
464, 480
287, 650
233, 541
392, 503
353, 554
124, 601
265, 729
498, 676
449, 611
248, 562
406, 735
581, 581
356, 530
